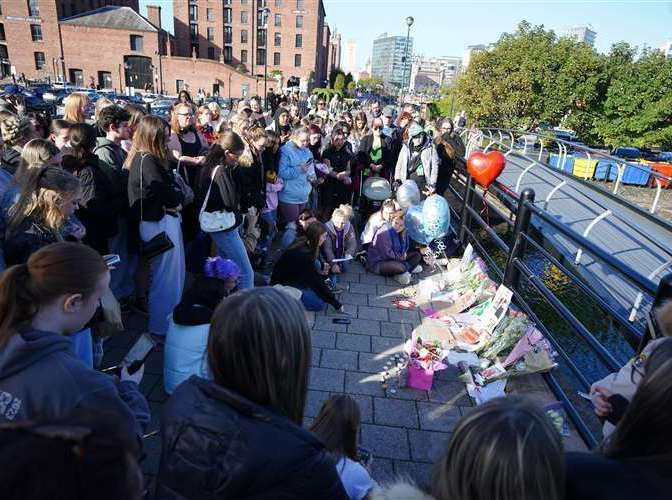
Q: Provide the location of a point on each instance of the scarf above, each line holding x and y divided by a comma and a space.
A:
340, 238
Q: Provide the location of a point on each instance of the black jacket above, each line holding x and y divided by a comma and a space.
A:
252, 184
389, 159
26, 239
219, 445
296, 268
594, 477
11, 160
158, 192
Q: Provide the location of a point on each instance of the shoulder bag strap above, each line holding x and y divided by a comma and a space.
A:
142, 158
207, 195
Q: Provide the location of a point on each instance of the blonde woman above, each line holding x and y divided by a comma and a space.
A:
35, 155
39, 218
101, 104
75, 107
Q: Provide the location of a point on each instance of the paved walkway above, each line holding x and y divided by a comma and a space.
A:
405, 431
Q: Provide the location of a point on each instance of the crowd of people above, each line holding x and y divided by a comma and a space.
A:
223, 232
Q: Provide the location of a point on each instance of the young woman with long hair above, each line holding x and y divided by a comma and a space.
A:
220, 177
46, 202
102, 198
135, 114
42, 303
239, 433
359, 130
297, 267
75, 107
156, 202
505, 449
337, 426
635, 461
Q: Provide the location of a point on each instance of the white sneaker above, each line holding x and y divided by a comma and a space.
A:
417, 269
403, 279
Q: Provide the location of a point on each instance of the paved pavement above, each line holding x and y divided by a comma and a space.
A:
405, 431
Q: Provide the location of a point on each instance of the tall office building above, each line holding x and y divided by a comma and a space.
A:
334, 58
289, 37
430, 73
388, 61
350, 60
585, 34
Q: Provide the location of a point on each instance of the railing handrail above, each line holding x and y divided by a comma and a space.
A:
590, 150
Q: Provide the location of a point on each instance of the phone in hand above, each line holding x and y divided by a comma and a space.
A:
135, 357
111, 260
585, 395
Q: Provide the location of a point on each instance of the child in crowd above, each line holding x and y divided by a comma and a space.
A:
269, 214
337, 426
187, 337
341, 239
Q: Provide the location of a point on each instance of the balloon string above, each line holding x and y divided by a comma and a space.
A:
485, 206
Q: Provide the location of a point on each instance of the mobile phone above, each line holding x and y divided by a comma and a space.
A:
584, 395
341, 321
111, 259
139, 353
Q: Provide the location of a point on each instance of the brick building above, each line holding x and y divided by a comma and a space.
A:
288, 34
30, 39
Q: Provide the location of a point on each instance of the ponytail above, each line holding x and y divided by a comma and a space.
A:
51, 272
15, 300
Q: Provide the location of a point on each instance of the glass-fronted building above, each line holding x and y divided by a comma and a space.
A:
388, 60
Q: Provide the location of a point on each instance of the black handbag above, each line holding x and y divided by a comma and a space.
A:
160, 243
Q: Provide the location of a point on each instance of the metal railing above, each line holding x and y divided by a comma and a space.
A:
468, 222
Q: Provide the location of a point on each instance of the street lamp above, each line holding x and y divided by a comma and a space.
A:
265, 12
409, 23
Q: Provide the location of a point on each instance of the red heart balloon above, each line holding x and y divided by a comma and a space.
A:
484, 168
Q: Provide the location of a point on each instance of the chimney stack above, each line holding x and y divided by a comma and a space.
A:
154, 15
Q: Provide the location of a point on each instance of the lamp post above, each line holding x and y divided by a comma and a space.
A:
409, 23
265, 11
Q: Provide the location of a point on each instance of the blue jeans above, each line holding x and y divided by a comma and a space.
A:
271, 220
311, 301
289, 235
230, 246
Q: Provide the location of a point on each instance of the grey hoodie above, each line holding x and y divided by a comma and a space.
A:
40, 378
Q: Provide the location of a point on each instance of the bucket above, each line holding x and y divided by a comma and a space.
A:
418, 377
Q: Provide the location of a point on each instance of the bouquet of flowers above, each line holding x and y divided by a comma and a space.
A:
509, 331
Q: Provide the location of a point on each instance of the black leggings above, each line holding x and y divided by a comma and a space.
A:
395, 267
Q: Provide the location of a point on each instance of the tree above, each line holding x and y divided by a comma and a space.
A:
372, 83
637, 110
333, 75
446, 105
339, 83
531, 77
352, 86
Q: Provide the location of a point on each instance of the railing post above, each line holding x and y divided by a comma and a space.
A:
511, 273
663, 294
464, 222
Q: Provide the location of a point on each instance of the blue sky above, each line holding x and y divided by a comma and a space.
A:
446, 27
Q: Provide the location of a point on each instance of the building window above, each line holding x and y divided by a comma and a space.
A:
299, 21
261, 38
298, 41
261, 56
76, 77
2, 32
243, 36
40, 60
34, 8
245, 89
211, 53
228, 54
277, 40
179, 85
243, 2
193, 29
297, 60
227, 16
35, 32
136, 43
278, 20
278, 4
244, 17
211, 34
210, 14
299, 5
243, 56
276, 58
228, 34
3, 52
193, 13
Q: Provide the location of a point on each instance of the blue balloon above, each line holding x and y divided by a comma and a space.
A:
429, 220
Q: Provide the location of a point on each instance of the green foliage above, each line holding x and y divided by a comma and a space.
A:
326, 93
532, 77
351, 87
372, 83
334, 75
446, 105
339, 83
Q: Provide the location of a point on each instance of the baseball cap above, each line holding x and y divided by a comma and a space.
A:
414, 130
388, 111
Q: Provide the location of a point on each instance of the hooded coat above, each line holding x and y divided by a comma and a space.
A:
429, 160
41, 378
331, 243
